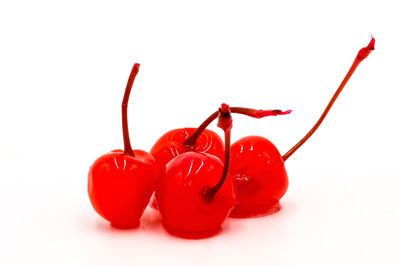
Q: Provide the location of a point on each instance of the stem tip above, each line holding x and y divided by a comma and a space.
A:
365, 51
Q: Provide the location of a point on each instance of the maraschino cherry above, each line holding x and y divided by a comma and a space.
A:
258, 169
120, 183
195, 193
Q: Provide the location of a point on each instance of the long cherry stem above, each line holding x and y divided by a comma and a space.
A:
125, 131
190, 142
224, 122
362, 54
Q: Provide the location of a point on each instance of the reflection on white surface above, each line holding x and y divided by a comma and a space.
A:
317, 221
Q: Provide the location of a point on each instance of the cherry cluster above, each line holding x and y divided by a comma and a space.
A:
197, 178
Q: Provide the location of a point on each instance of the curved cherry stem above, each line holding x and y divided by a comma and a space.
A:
196, 134
191, 141
362, 54
224, 122
125, 131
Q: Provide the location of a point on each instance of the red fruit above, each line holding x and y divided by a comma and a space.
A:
259, 175
179, 195
195, 194
172, 144
258, 169
120, 186
120, 183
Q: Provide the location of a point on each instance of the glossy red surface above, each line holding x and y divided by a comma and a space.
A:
171, 144
179, 195
259, 175
120, 186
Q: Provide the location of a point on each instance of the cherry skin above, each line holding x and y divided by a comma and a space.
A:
172, 144
120, 186
179, 194
259, 175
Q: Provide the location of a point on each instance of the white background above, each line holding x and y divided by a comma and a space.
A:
63, 70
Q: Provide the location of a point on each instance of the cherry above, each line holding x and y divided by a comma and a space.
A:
259, 176
195, 194
258, 169
120, 183
172, 144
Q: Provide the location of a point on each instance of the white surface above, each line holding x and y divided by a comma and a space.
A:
63, 70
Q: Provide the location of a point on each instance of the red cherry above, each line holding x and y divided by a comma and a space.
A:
259, 175
179, 195
172, 144
120, 183
120, 186
258, 169
195, 194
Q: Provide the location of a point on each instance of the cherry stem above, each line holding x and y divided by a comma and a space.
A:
362, 54
191, 141
224, 122
125, 131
